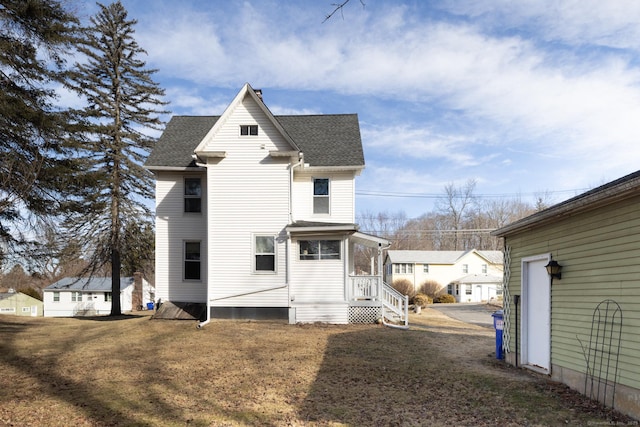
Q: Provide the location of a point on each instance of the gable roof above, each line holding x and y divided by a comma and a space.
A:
88, 284
7, 295
439, 257
328, 140
619, 189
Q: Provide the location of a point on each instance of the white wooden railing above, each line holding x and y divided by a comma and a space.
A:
395, 307
365, 287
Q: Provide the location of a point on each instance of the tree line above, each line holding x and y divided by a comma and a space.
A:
460, 221
72, 183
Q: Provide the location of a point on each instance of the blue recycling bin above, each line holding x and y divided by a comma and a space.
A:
498, 325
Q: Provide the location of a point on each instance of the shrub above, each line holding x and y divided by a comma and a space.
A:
430, 288
445, 299
422, 300
404, 286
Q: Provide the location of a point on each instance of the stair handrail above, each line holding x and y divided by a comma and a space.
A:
397, 303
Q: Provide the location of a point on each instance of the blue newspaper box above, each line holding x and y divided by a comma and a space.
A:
498, 325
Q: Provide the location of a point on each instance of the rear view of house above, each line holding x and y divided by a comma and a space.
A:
255, 216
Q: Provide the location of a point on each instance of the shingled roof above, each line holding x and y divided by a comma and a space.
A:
325, 140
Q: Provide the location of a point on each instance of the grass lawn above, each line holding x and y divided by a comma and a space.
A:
134, 371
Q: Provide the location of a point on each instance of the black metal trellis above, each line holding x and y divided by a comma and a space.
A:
603, 352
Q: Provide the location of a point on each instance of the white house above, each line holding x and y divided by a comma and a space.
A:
255, 216
73, 296
470, 276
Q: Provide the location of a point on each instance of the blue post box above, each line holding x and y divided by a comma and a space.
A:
498, 325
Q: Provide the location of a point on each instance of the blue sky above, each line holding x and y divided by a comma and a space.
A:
523, 97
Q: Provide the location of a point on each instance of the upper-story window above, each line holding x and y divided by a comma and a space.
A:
192, 195
248, 130
484, 268
321, 195
465, 268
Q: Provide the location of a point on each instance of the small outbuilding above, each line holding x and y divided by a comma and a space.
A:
19, 304
572, 293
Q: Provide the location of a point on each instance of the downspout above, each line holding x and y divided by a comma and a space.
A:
199, 163
293, 166
288, 248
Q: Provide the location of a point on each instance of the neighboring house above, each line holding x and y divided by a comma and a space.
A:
470, 276
73, 296
255, 216
19, 304
582, 328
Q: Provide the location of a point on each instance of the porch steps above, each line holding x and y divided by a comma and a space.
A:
395, 308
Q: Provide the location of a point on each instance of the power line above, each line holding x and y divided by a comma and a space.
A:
477, 196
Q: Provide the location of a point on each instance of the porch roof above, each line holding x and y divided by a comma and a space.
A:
313, 227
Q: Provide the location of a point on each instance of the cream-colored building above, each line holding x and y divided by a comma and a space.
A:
470, 276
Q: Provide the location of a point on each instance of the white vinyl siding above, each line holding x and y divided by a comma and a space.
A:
173, 228
248, 194
311, 284
341, 196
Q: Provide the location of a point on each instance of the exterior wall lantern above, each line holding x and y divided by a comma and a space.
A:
554, 269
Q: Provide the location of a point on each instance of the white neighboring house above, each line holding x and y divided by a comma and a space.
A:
255, 216
470, 276
73, 296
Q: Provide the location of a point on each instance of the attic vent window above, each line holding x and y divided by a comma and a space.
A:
246, 130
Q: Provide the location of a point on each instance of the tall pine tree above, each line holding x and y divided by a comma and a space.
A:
122, 103
34, 165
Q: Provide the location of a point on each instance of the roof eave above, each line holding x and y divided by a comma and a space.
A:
599, 197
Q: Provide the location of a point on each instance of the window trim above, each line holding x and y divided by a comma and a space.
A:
248, 130
76, 296
310, 257
254, 254
186, 196
56, 296
185, 261
321, 196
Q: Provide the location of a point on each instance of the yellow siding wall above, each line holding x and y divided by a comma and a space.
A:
600, 255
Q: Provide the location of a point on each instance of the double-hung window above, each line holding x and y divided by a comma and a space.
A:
425, 268
76, 296
484, 268
192, 260
108, 297
321, 195
56, 296
192, 195
264, 254
404, 268
319, 249
465, 268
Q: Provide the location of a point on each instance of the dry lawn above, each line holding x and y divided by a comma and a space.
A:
134, 371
